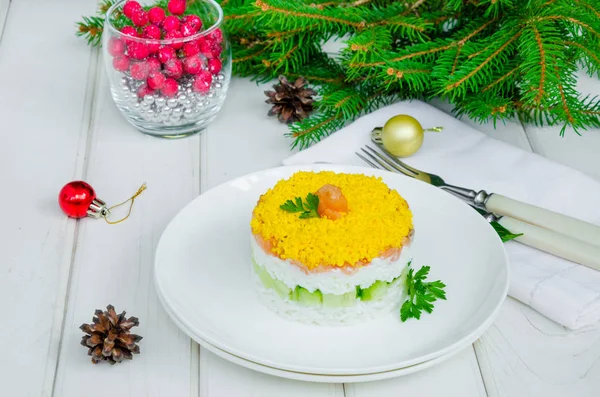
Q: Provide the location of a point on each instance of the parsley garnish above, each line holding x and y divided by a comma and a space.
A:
504, 234
308, 208
421, 295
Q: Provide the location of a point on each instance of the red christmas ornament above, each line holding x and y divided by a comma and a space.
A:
78, 200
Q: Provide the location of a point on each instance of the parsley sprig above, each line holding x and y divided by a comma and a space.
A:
421, 294
308, 208
504, 234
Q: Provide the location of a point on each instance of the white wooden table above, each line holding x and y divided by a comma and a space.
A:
59, 124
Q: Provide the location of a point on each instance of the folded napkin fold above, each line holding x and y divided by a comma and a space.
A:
563, 291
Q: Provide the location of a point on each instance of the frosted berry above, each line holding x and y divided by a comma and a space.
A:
144, 90
156, 81
166, 53
216, 36
153, 65
130, 31
191, 49
140, 18
156, 15
116, 47
174, 68
138, 50
139, 70
171, 23
187, 30
174, 34
194, 21
130, 7
170, 88
192, 65
152, 32
176, 7
121, 63
216, 50
202, 81
205, 46
214, 65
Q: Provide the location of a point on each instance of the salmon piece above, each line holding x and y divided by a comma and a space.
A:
332, 203
266, 245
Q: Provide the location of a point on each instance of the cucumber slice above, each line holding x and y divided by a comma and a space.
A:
344, 300
282, 290
306, 298
375, 291
263, 276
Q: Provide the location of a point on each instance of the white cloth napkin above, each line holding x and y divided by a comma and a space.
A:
563, 291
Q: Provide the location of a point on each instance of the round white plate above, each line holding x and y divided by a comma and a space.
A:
203, 266
313, 377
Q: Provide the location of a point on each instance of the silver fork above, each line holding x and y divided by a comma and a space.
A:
389, 162
492, 203
554, 240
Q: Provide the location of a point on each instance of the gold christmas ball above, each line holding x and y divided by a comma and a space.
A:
402, 135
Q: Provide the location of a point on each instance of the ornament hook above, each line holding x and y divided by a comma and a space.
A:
132, 199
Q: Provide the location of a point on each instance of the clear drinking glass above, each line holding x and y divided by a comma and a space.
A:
168, 87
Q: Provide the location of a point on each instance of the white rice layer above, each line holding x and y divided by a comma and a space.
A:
333, 281
339, 316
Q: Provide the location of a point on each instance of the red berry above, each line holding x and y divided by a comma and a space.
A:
156, 81
205, 46
194, 21
121, 63
139, 70
152, 32
116, 47
156, 15
166, 53
202, 81
174, 68
191, 48
130, 7
174, 34
129, 31
171, 23
216, 50
170, 88
176, 7
216, 35
187, 30
144, 90
138, 50
153, 64
214, 65
192, 65
140, 18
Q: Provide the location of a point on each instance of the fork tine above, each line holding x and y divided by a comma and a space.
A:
368, 161
397, 161
381, 164
388, 162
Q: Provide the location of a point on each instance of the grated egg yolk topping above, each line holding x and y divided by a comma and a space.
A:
378, 219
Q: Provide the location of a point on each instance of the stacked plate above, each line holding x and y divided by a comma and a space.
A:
203, 268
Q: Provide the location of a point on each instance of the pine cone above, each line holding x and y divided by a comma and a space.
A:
291, 102
108, 338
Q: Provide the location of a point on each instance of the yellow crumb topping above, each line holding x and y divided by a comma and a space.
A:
378, 219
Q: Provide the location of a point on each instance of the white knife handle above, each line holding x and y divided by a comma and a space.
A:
554, 243
541, 217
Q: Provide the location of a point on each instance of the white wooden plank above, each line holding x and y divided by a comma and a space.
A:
458, 376
4, 5
114, 263
43, 113
221, 378
525, 354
